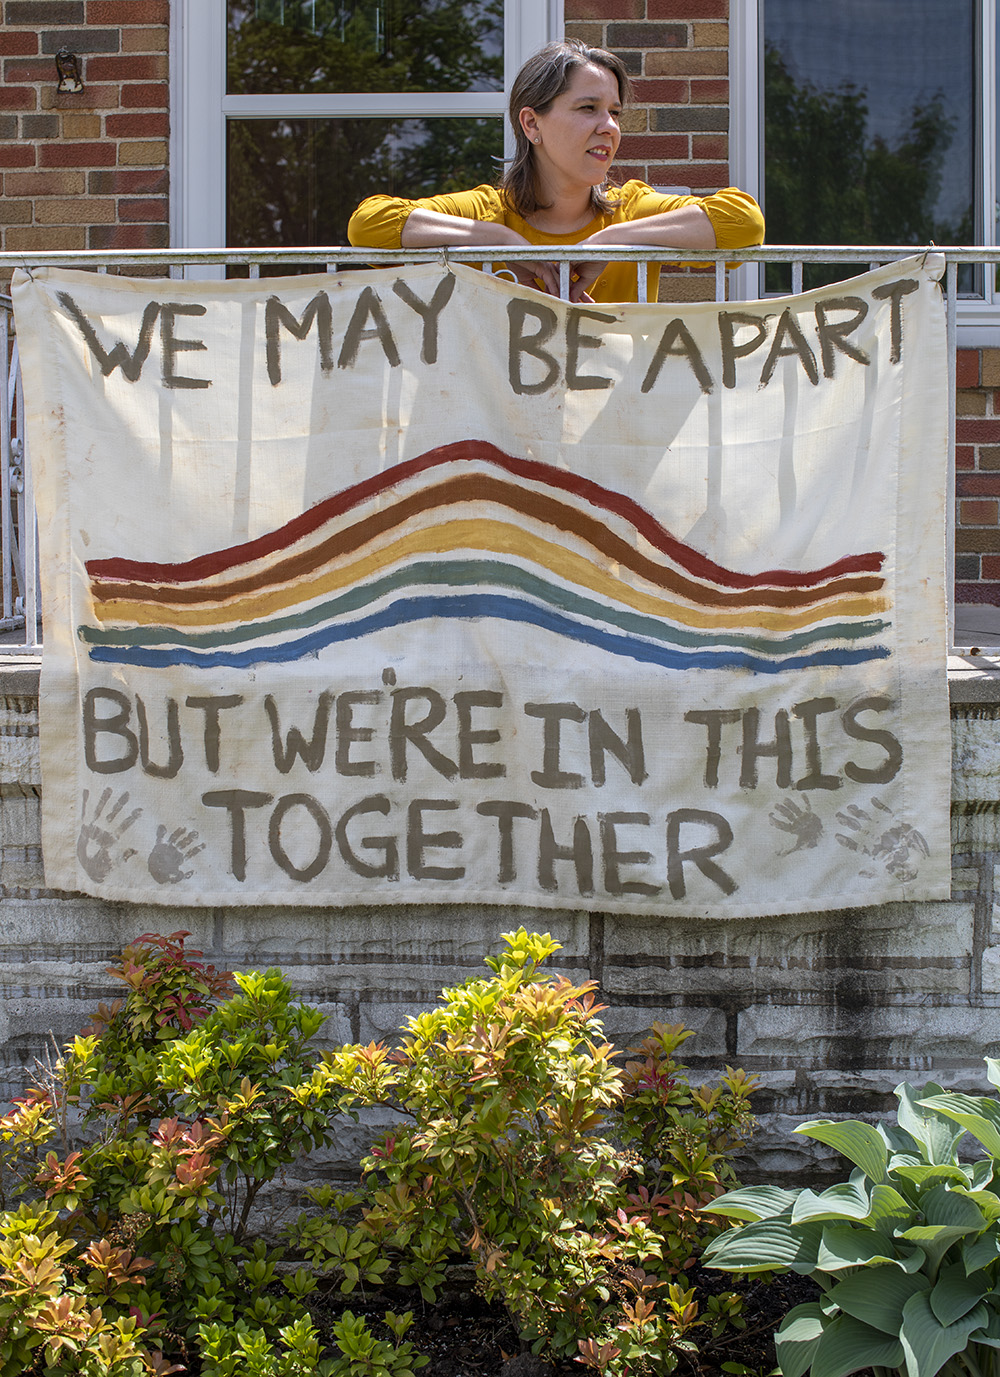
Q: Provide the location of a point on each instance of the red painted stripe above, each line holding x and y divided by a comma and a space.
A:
476, 488
218, 561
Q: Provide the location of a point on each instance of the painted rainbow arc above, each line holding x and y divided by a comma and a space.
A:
420, 541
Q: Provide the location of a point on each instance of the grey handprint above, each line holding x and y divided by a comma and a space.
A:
99, 836
880, 835
169, 854
801, 823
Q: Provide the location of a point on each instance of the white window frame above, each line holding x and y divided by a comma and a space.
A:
978, 321
200, 105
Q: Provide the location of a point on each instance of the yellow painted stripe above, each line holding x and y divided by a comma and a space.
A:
495, 537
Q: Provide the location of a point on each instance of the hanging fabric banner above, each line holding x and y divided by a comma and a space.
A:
415, 586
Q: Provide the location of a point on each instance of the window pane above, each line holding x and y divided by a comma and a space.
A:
296, 181
869, 126
305, 46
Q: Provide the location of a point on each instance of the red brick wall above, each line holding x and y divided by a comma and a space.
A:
677, 132
86, 171
977, 482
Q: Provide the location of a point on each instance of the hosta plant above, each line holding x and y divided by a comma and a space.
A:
906, 1253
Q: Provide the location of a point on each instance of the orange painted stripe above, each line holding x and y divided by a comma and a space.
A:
496, 538
479, 488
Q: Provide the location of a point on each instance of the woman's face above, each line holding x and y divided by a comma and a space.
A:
576, 139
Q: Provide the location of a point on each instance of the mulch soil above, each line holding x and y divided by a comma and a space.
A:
464, 1337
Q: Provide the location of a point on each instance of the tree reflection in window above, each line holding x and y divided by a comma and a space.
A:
882, 156
295, 180
285, 47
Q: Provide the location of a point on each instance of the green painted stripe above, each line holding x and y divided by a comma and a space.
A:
465, 573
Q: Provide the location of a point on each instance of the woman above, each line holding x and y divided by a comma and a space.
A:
565, 108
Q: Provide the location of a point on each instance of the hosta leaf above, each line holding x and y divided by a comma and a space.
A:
876, 1296
926, 1176
987, 1202
906, 1159
858, 1142
982, 1173
936, 1134
889, 1210
935, 1239
899, 1140
949, 1215
990, 1333
847, 1345
796, 1340
984, 1250
767, 1246
846, 1200
752, 1203
980, 1116
992, 1070
927, 1343
953, 1208
955, 1293
845, 1246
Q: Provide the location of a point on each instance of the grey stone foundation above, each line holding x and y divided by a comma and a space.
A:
831, 1010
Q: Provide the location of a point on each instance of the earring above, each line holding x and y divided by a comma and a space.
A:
536, 140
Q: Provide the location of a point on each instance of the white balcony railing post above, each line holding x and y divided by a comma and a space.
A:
8, 383
951, 309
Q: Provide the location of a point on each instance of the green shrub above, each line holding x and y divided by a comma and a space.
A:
572, 1185
191, 1102
363, 1355
906, 1252
240, 1350
684, 1136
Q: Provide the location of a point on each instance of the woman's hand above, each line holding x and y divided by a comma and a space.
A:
582, 277
686, 228
431, 229
540, 274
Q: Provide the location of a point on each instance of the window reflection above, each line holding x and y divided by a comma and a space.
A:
869, 124
296, 181
349, 20
300, 46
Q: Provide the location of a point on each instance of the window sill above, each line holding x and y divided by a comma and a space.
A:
973, 679
978, 324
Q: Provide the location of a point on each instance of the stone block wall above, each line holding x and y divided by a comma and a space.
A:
831, 1010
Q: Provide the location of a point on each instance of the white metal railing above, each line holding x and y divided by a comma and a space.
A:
20, 622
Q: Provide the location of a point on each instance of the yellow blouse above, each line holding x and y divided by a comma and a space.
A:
736, 218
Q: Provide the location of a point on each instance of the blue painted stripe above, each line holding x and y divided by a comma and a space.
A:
461, 573
475, 605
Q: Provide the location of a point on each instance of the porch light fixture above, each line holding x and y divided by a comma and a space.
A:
68, 67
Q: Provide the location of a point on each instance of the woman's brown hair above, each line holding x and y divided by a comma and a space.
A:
545, 75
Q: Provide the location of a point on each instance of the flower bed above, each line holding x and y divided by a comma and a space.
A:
571, 1180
